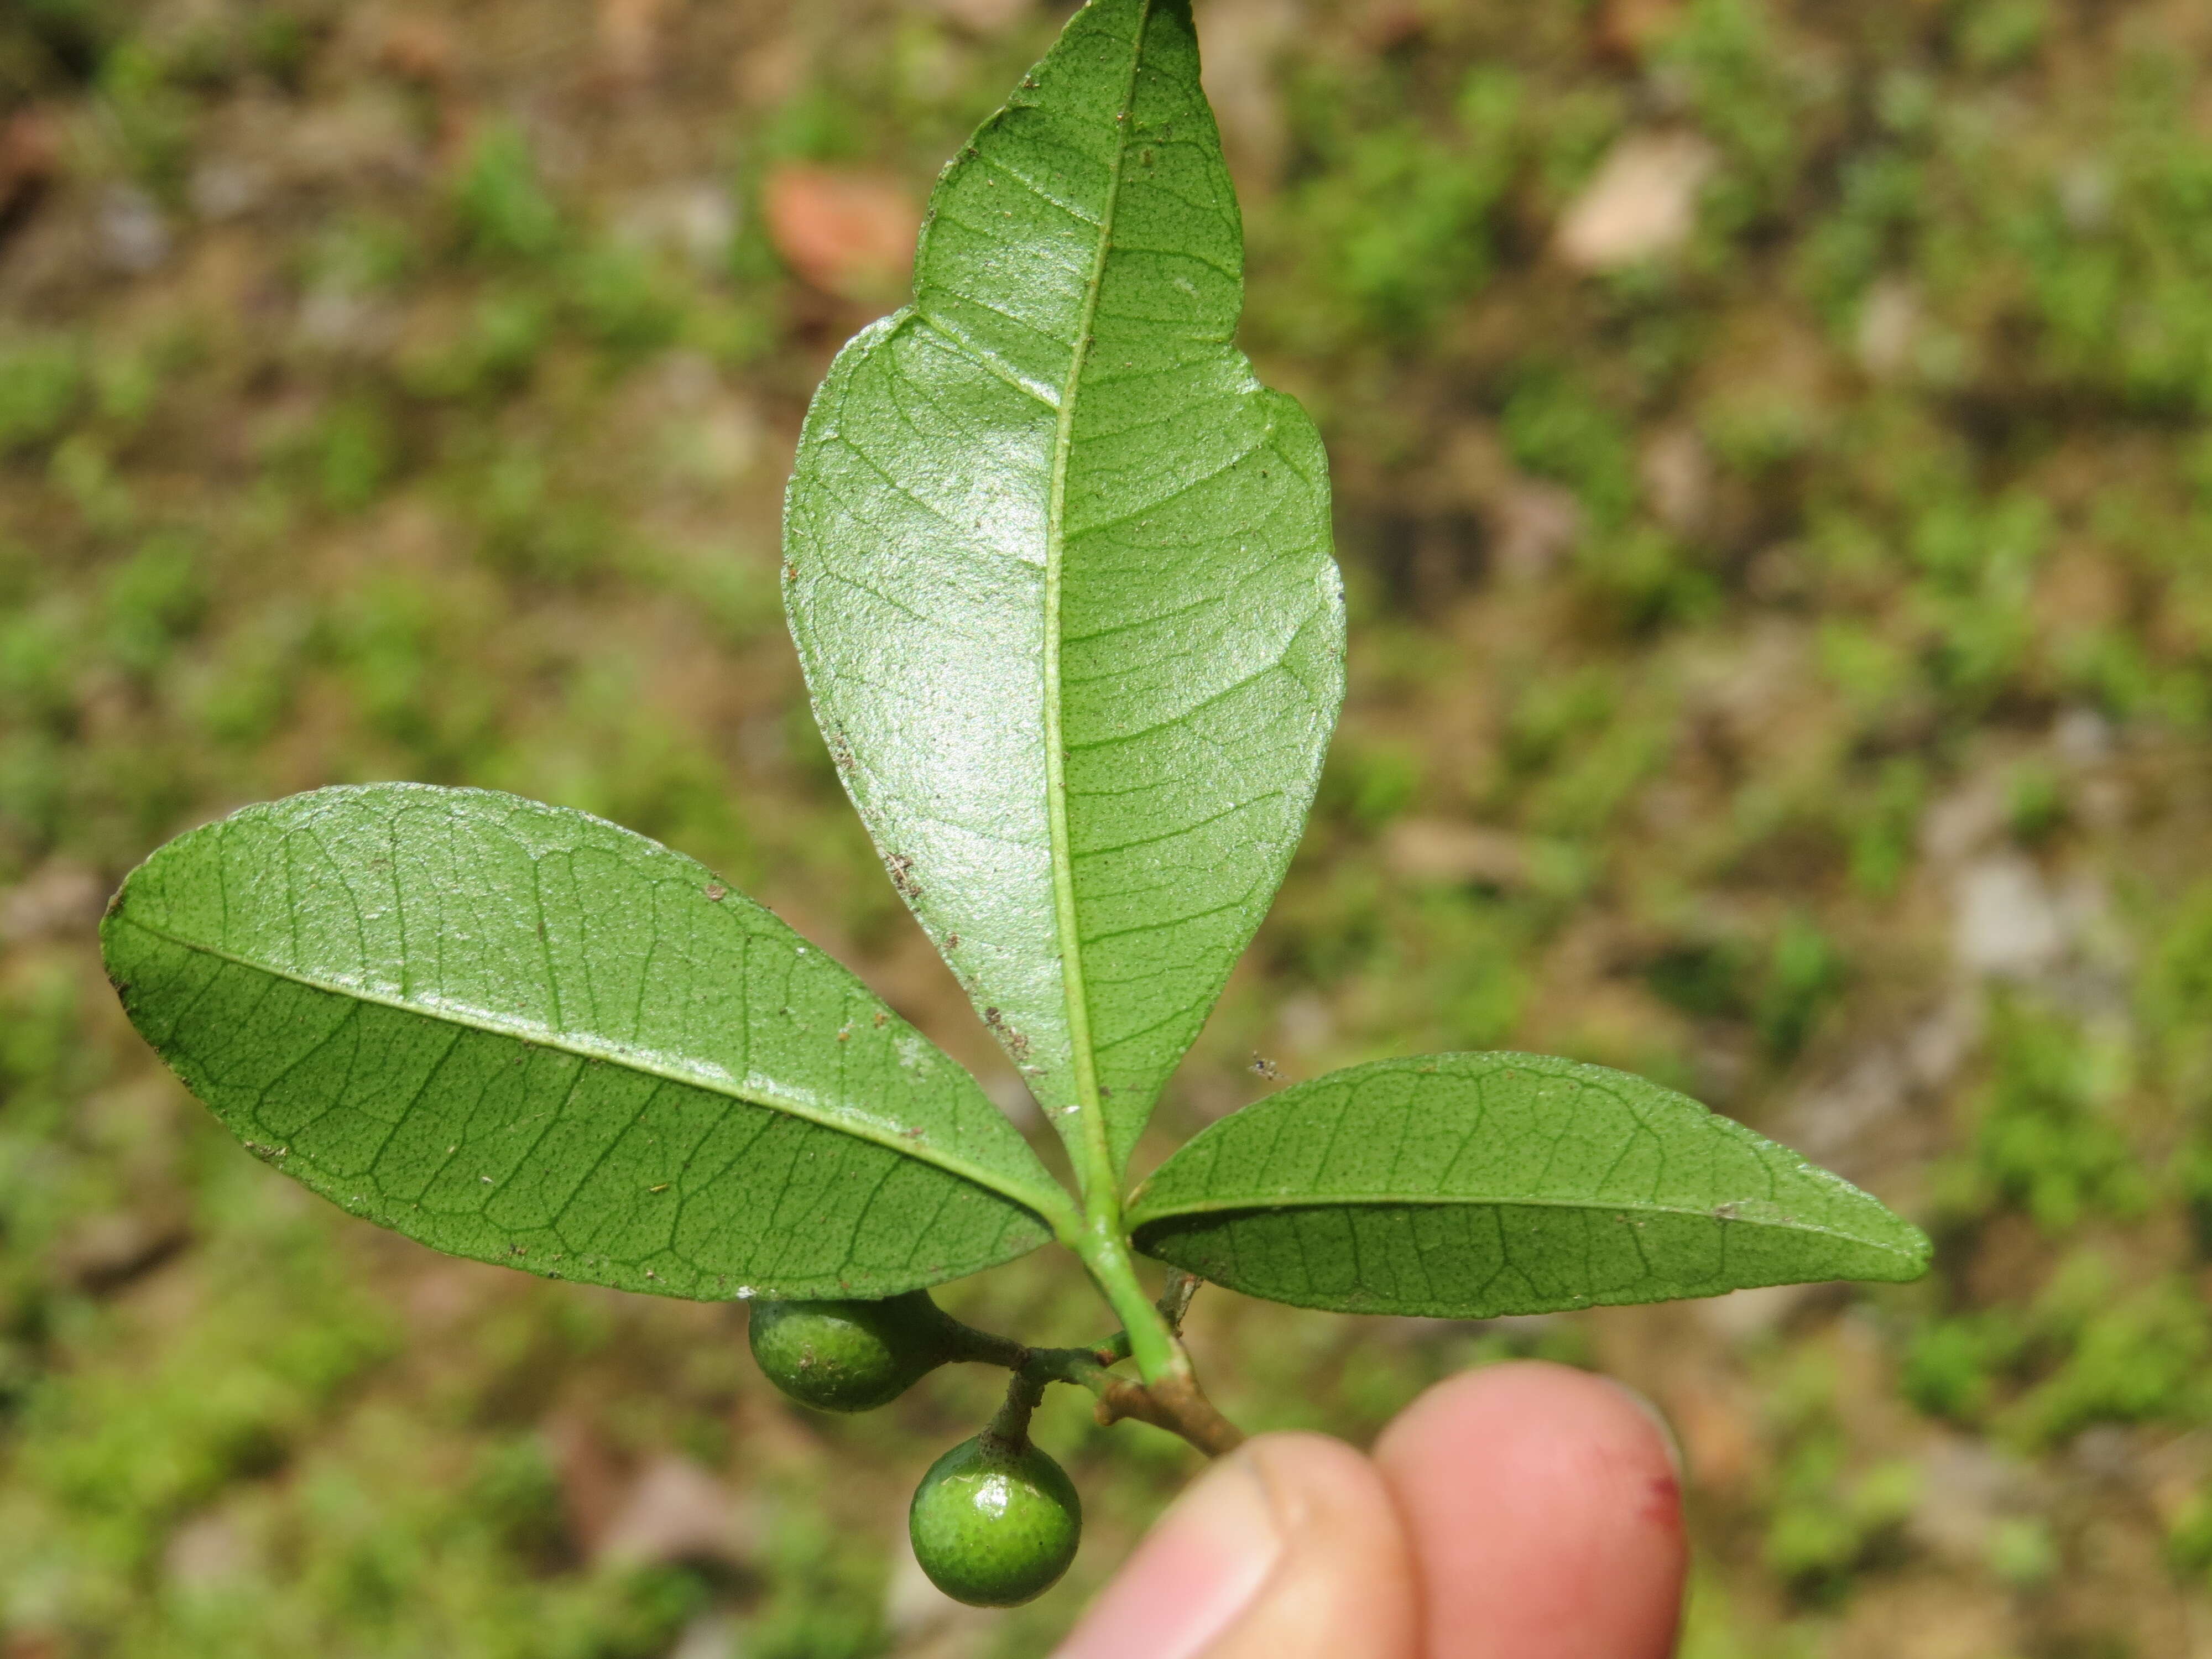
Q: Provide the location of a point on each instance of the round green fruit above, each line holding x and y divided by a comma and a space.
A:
994, 1523
849, 1356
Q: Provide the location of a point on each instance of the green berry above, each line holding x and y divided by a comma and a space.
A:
994, 1522
849, 1356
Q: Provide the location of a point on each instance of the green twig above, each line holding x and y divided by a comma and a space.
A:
1009, 1426
1175, 1403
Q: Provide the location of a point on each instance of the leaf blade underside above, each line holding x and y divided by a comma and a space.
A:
1058, 571
1472, 1186
524, 1034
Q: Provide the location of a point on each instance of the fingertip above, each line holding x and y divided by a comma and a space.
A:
1345, 1580
1544, 1510
1291, 1546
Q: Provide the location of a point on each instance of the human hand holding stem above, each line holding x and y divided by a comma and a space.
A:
1522, 1511
1526, 1511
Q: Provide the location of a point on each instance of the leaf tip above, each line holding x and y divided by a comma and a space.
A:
1917, 1253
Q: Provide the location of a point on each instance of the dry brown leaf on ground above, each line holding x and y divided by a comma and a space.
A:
1534, 525
1678, 479
416, 47
1242, 40
849, 233
1629, 28
59, 898
1437, 849
677, 1511
630, 38
1642, 204
30, 150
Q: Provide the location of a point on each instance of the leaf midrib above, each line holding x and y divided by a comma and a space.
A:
1140, 1217
1095, 1169
1047, 1203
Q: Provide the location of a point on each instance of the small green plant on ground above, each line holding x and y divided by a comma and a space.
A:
1060, 573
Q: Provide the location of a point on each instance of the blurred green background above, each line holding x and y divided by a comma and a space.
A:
1775, 489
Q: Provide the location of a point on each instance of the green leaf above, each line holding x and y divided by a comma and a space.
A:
525, 1035
1470, 1186
1059, 571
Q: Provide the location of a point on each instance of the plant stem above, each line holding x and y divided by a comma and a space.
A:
965, 1343
1011, 1424
1152, 1341
1174, 1402
1177, 1405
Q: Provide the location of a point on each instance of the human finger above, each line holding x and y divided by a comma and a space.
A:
1288, 1548
1543, 1507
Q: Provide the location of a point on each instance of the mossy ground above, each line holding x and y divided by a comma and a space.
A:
1782, 663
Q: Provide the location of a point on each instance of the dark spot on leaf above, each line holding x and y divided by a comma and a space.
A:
901, 868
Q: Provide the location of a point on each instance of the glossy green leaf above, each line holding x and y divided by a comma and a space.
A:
525, 1035
1059, 571
1474, 1185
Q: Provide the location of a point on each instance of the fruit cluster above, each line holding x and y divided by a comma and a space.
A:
995, 1520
